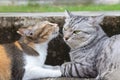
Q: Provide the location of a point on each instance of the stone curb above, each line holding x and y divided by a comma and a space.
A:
48, 14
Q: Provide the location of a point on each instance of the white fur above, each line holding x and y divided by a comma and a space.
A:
36, 72
34, 65
37, 60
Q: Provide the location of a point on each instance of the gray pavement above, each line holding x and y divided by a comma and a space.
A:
83, 13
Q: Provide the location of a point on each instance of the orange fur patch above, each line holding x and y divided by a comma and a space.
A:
18, 45
45, 31
31, 44
5, 65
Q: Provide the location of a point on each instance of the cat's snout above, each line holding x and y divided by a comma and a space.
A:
66, 38
56, 25
67, 35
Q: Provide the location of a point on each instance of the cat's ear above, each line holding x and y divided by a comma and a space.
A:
21, 31
25, 32
99, 18
68, 14
96, 20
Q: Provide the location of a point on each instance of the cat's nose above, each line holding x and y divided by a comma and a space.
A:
66, 38
56, 25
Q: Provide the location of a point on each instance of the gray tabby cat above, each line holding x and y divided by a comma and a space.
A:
93, 53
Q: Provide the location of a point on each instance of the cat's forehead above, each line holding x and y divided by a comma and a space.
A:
75, 18
45, 23
39, 25
71, 22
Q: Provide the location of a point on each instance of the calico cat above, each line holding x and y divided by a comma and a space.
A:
93, 53
24, 59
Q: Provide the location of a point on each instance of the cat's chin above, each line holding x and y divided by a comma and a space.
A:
53, 36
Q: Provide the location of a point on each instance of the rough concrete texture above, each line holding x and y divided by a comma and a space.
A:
58, 50
64, 78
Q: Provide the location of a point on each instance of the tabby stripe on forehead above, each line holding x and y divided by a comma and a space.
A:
78, 21
43, 29
71, 21
46, 33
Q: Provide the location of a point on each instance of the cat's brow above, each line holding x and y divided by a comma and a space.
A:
41, 31
76, 20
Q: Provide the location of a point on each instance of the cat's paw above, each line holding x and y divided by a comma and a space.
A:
56, 67
66, 63
57, 73
51, 67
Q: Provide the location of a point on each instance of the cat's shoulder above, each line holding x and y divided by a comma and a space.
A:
115, 37
5, 64
2, 51
10, 46
3, 55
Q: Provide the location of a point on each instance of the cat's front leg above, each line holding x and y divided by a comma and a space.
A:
51, 67
75, 69
35, 72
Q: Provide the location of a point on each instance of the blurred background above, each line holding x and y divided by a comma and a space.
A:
57, 2
57, 5
58, 50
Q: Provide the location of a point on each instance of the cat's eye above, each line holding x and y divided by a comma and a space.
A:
31, 33
64, 29
76, 31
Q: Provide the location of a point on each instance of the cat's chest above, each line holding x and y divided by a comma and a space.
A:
36, 60
30, 60
80, 54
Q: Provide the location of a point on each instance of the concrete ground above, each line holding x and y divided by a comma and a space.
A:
83, 13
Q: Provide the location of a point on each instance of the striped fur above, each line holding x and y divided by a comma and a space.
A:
24, 59
93, 53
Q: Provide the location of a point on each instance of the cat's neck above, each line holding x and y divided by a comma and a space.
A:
95, 45
41, 48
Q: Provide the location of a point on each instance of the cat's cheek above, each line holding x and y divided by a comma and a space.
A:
66, 42
70, 43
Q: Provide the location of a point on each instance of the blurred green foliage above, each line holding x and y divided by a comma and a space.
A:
58, 8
